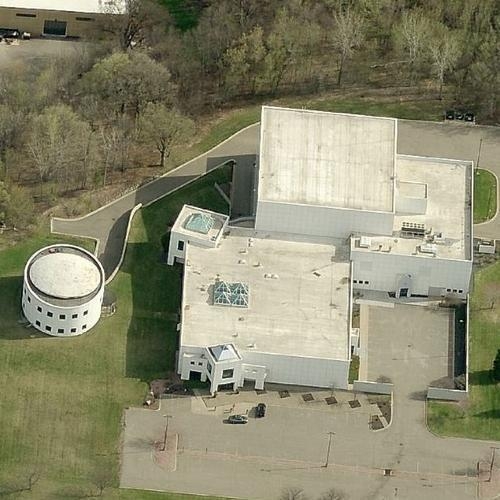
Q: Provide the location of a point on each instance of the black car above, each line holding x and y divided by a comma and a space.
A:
260, 411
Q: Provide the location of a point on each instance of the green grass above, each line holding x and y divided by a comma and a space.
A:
354, 369
485, 196
480, 417
61, 400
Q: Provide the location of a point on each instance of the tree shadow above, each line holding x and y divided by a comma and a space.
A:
488, 414
481, 377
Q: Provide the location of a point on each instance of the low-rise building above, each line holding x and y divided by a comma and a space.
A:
59, 18
338, 213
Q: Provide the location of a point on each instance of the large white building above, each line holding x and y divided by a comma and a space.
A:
338, 211
63, 290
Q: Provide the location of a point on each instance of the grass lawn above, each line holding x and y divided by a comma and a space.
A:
480, 417
485, 196
61, 400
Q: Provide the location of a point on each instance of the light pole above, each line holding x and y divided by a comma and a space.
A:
330, 434
164, 447
479, 154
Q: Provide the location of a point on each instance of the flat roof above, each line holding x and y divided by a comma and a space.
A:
85, 6
198, 222
64, 275
448, 191
329, 159
298, 301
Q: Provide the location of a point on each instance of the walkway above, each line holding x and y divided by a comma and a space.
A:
449, 140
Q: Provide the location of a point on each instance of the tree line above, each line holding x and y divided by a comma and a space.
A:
82, 120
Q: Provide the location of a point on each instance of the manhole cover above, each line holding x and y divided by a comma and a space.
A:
307, 397
260, 391
354, 403
284, 394
331, 400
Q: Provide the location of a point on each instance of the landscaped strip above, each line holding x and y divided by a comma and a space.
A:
485, 196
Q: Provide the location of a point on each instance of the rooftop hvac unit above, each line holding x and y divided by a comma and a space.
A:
428, 248
365, 242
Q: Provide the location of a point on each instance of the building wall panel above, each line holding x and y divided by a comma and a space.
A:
320, 221
383, 270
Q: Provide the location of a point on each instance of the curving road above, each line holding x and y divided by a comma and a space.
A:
449, 140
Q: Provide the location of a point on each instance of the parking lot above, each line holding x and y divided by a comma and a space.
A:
30, 51
288, 448
408, 344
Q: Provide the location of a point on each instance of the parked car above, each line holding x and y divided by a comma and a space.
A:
237, 419
260, 411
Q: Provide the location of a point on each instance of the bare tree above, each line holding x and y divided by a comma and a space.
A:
411, 37
293, 493
164, 127
60, 147
135, 22
445, 50
333, 494
347, 36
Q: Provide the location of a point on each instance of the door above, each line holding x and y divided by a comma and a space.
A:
54, 28
403, 292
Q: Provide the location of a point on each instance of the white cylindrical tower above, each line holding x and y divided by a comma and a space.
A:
63, 290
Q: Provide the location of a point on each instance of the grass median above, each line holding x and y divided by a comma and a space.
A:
485, 196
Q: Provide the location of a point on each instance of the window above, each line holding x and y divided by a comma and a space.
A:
24, 305
85, 313
84, 18
39, 309
227, 373
460, 291
200, 363
209, 368
448, 289
22, 14
367, 282
37, 323
74, 316
191, 362
62, 316
50, 314
180, 245
60, 330
48, 328
84, 327
73, 330
29, 298
355, 281
455, 290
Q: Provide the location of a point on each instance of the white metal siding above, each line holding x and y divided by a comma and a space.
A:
382, 271
295, 370
320, 221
